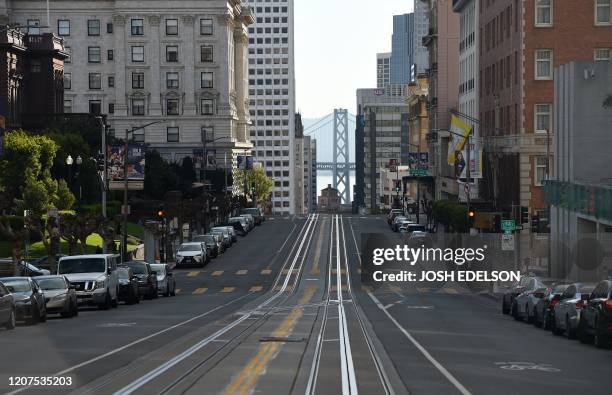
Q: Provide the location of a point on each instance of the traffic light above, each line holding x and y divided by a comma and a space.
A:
100, 161
161, 213
524, 215
471, 218
535, 224
398, 186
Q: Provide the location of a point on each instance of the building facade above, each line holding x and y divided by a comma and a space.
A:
329, 200
383, 69
419, 184
421, 28
272, 96
310, 174
383, 135
442, 42
184, 70
402, 48
299, 187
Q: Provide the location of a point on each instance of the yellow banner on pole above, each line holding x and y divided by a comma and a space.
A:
459, 135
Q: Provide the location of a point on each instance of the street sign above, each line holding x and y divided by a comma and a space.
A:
508, 226
507, 242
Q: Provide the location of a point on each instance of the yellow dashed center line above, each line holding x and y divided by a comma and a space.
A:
256, 289
244, 382
200, 291
242, 272
315, 265
266, 271
177, 291
217, 273
193, 274
227, 290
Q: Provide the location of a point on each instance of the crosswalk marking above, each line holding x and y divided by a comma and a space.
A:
241, 272
266, 271
192, 274
177, 291
217, 273
226, 290
256, 289
200, 291
423, 290
451, 291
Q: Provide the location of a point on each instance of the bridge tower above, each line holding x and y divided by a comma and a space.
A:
340, 174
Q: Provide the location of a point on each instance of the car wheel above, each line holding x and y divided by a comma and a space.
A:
173, 293
167, 293
599, 338
514, 312
528, 316
107, 302
536, 318
75, 311
582, 334
569, 332
505, 309
553, 327
115, 302
43, 316
10, 324
155, 293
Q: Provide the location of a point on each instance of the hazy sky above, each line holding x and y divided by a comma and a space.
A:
336, 42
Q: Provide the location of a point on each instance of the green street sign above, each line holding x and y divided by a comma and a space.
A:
508, 226
418, 172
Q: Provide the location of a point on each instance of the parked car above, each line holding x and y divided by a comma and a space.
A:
128, 285
544, 310
94, 277
222, 230
394, 213
525, 302
396, 221
60, 295
8, 315
24, 269
567, 311
232, 232
147, 278
596, 317
166, 284
193, 253
240, 224
212, 243
224, 234
29, 299
44, 263
250, 220
411, 227
256, 213
512, 292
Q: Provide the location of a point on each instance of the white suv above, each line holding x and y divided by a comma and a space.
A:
94, 278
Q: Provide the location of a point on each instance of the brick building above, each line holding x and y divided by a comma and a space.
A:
31, 77
521, 42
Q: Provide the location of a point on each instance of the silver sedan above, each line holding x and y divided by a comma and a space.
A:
166, 284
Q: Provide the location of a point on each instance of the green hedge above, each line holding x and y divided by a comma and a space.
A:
113, 208
451, 214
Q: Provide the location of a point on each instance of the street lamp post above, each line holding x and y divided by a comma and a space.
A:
79, 162
69, 162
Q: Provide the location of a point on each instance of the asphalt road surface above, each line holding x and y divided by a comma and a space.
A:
284, 312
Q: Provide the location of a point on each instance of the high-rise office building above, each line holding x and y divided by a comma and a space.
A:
272, 97
402, 48
383, 69
184, 68
421, 26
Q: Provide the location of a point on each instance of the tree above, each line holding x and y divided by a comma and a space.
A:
259, 186
159, 177
77, 228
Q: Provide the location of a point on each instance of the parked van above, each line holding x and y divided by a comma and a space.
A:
94, 277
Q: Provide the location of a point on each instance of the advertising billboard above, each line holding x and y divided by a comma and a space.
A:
135, 166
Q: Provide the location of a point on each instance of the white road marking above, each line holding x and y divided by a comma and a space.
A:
422, 349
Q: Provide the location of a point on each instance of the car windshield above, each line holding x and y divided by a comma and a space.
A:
189, 247
17, 285
51, 283
560, 288
208, 239
81, 265
160, 269
253, 211
138, 268
123, 274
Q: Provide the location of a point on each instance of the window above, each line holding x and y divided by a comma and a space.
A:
67, 106
63, 27
172, 107
543, 117
172, 80
109, 27
137, 80
206, 80
138, 106
35, 66
95, 81
172, 134
33, 26
93, 27
110, 54
138, 54
206, 27
171, 53
111, 108
67, 50
139, 136
137, 27
543, 64
543, 12
207, 106
602, 54
603, 11
111, 81
67, 81
93, 55
206, 53
95, 107
540, 170
171, 27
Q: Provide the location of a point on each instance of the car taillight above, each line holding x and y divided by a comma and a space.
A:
553, 302
608, 304
580, 304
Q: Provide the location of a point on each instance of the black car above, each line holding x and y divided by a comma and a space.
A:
43, 262
29, 299
128, 285
7, 308
596, 316
258, 217
544, 310
526, 283
60, 296
147, 278
24, 269
211, 243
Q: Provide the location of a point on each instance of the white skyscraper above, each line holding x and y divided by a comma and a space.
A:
272, 97
383, 69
